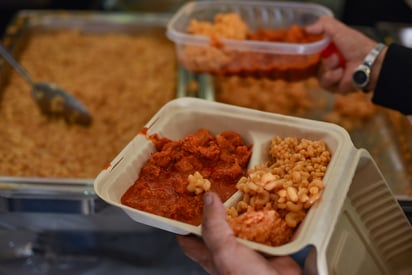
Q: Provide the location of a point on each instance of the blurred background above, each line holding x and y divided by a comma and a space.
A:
353, 12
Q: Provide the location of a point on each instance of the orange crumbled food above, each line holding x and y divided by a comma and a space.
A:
265, 226
165, 185
218, 60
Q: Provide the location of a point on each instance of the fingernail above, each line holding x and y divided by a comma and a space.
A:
208, 198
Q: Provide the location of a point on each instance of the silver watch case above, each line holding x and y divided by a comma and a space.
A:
361, 76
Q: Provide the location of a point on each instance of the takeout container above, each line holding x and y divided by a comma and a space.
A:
248, 57
356, 227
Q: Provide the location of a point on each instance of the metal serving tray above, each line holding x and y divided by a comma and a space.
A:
54, 195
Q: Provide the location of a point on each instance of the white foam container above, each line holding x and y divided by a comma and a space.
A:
357, 227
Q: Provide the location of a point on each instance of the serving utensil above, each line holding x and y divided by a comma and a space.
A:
51, 99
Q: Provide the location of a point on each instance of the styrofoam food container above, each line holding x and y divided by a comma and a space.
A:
184, 116
256, 14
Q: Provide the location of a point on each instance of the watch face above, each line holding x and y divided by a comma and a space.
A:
360, 78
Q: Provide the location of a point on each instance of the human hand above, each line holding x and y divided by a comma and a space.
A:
353, 46
219, 252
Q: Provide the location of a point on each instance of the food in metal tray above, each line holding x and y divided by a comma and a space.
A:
278, 96
294, 98
122, 78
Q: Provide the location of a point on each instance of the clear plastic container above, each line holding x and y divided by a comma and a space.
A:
248, 57
357, 226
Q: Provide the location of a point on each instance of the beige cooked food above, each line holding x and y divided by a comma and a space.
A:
278, 96
278, 193
122, 79
197, 184
294, 98
351, 110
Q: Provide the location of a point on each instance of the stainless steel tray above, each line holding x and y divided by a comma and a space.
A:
56, 195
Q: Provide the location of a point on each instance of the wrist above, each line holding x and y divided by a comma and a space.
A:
376, 69
366, 74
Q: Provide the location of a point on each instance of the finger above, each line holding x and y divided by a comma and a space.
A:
314, 29
223, 245
332, 50
214, 220
325, 24
229, 256
331, 62
318, 27
195, 249
346, 86
192, 246
285, 265
330, 79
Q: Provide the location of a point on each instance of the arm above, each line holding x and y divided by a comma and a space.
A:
388, 72
394, 85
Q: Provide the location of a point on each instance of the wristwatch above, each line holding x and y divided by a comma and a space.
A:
361, 76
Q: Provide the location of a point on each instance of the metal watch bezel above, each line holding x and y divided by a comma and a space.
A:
364, 69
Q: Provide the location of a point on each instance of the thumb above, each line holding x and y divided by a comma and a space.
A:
229, 256
216, 232
319, 26
315, 28
324, 25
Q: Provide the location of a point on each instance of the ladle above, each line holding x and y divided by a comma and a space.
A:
52, 100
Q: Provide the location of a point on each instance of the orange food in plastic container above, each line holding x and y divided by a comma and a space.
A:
259, 39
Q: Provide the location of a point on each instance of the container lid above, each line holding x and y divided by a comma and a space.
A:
268, 14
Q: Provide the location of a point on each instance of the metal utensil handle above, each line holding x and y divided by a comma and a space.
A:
9, 58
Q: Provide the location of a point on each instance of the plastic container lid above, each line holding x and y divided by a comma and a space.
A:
249, 56
269, 14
